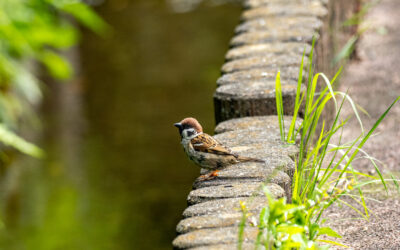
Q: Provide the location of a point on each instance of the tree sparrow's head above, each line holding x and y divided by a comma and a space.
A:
189, 127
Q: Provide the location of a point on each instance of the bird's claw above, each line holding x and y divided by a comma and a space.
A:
209, 176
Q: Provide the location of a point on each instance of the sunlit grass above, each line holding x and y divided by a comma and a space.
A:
324, 172
323, 168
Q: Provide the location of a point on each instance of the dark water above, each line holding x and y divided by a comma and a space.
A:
116, 176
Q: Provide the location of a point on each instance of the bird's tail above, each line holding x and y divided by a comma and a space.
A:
245, 159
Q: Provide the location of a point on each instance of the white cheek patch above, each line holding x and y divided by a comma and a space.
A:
189, 133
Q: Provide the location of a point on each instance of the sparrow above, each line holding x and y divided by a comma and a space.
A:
206, 151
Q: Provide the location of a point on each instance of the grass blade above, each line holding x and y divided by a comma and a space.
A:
279, 105
370, 133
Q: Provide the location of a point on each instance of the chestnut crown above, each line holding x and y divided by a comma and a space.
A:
188, 124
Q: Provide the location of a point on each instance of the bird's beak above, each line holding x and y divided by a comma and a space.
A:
178, 125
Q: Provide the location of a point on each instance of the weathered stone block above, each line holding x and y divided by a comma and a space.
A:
257, 141
233, 190
273, 161
209, 221
260, 77
314, 8
244, 174
222, 206
214, 236
251, 99
258, 3
279, 23
302, 34
269, 123
247, 175
263, 62
267, 49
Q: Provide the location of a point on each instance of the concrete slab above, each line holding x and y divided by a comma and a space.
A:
314, 8
214, 236
263, 62
223, 206
302, 34
280, 22
263, 78
267, 49
233, 190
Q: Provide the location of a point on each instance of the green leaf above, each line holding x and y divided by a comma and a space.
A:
333, 243
347, 49
328, 231
290, 229
11, 139
57, 65
49, 34
86, 16
396, 183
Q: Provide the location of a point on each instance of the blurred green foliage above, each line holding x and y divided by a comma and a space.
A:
32, 33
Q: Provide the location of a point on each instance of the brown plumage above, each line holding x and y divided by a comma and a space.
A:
206, 143
192, 122
204, 150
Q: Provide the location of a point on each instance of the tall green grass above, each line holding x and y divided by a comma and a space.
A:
324, 172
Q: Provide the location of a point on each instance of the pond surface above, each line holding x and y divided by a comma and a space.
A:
116, 176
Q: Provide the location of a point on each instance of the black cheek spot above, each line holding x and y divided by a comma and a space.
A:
219, 164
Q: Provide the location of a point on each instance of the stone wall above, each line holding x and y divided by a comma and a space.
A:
271, 36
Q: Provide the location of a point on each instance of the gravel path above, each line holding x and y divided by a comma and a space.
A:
374, 82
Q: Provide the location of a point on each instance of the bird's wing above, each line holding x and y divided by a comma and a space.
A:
206, 143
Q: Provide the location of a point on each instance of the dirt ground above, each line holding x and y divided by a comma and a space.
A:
373, 82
